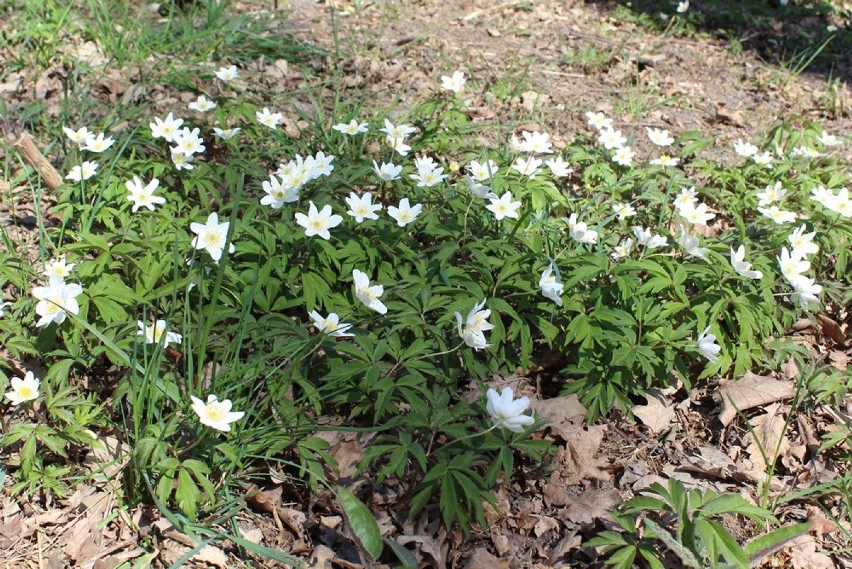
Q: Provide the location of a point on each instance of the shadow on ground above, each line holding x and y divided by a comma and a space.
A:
807, 37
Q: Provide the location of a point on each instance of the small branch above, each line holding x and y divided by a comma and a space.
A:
36, 159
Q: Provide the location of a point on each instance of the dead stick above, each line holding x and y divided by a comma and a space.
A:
36, 159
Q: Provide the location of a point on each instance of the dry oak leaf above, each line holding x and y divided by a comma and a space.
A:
803, 554
481, 559
751, 391
767, 438
562, 413
658, 414
591, 505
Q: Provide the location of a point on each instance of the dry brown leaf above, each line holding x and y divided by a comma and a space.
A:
428, 545
751, 391
766, 434
591, 505
481, 559
831, 329
658, 414
803, 554
563, 413
544, 525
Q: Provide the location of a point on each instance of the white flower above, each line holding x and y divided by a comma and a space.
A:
227, 133
318, 222
659, 137
58, 268
806, 290
528, 167
806, 151
387, 171
536, 142
79, 136
215, 414
25, 389
665, 160
98, 143
455, 83
362, 207
397, 143
429, 178
55, 300
558, 167
82, 171
514, 144
202, 104
829, 139
268, 118
599, 120
622, 249
330, 324
771, 194
506, 413
802, 243
792, 266
648, 239
504, 206
708, 347
188, 142
579, 231
611, 139
351, 128
474, 327
685, 199
319, 164
623, 210
479, 190
484, 171
367, 294
682, 6
550, 288
745, 149
143, 196
405, 213
764, 158
182, 161
838, 203
153, 334
696, 214
742, 267
167, 129
211, 236
277, 194
624, 156
3, 307
690, 245
227, 74
400, 131
778, 215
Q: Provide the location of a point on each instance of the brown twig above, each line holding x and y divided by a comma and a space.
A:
33, 156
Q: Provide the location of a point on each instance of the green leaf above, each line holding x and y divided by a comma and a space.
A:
363, 523
767, 544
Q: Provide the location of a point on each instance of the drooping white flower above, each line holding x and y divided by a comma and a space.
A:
143, 195
214, 413
362, 207
479, 190
182, 161
682, 7
55, 300
82, 171
622, 249
154, 333
318, 222
351, 128
23, 390
741, 266
550, 288
829, 139
387, 171
367, 294
708, 347
507, 413
504, 206
454, 83
211, 236
690, 245
473, 329
648, 239
579, 231
806, 291
330, 324
226, 133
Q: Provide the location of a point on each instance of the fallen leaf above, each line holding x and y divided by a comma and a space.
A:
658, 414
831, 329
751, 391
803, 554
481, 559
768, 440
562, 413
591, 505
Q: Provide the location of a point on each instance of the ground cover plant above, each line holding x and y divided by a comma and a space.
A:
219, 284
